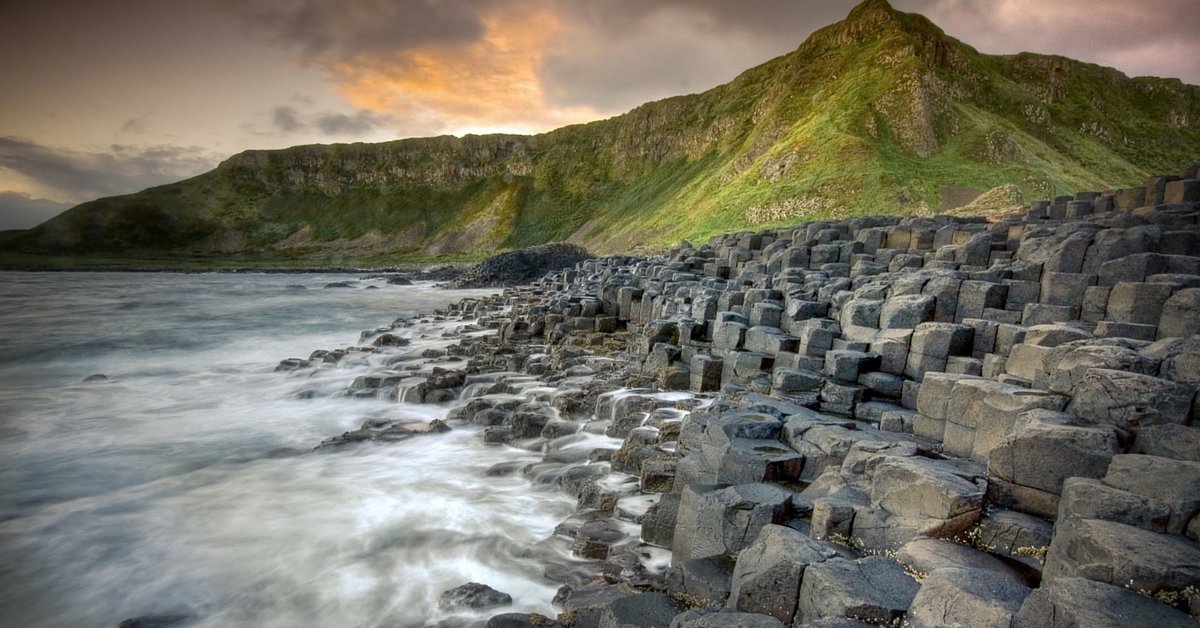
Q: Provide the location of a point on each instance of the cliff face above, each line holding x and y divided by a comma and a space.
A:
876, 114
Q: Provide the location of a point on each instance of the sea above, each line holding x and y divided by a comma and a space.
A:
154, 464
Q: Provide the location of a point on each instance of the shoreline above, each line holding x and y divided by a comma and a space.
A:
879, 420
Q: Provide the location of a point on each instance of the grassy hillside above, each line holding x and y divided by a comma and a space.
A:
876, 114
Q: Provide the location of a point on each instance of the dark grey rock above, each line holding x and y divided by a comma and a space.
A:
768, 573
1082, 603
472, 595
715, 520
640, 610
873, 590
966, 597
1123, 555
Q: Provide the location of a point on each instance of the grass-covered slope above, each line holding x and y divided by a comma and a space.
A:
876, 114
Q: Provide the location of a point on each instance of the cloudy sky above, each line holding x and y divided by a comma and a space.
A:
109, 97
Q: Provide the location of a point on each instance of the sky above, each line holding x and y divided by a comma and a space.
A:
109, 97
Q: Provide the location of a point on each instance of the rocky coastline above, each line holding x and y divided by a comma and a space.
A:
926, 421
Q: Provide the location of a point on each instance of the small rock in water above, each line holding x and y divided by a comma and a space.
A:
391, 340
154, 621
98, 377
472, 595
521, 620
338, 284
372, 287
295, 286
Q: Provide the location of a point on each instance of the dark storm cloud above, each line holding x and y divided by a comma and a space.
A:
319, 28
79, 176
286, 119
21, 211
362, 122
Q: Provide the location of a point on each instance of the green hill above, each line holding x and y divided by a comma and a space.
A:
880, 113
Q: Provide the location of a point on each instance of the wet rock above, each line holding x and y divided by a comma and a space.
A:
391, 340
701, 581
100, 377
631, 567
658, 524
338, 284
596, 539
472, 595
156, 621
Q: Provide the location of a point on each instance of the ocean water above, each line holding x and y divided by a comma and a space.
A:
184, 483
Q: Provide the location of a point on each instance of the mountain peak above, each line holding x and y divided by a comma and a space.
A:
872, 20
873, 13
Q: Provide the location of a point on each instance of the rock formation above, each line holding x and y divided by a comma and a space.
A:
933, 420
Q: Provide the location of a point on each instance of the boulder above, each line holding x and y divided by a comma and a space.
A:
1085, 498
1047, 447
748, 461
720, 618
1175, 483
1169, 440
521, 620
714, 520
640, 610
966, 597
907, 311
874, 590
1081, 603
1015, 534
704, 581
472, 595
767, 576
920, 487
1129, 400
1180, 315
1123, 555
1070, 368
925, 556
658, 524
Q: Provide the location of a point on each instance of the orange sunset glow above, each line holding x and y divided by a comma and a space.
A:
490, 85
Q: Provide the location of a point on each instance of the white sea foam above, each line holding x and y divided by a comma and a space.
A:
184, 483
